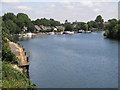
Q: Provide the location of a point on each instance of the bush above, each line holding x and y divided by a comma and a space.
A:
12, 78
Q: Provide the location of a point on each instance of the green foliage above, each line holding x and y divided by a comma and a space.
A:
12, 27
68, 27
13, 78
92, 24
48, 30
80, 25
31, 27
46, 22
99, 19
113, 29
9, 16
7, 55
14, 24
83, 26
23, 20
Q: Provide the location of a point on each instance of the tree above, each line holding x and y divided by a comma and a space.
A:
12, 27
23, 20
46, 22
83, 25
31, 27
99, 19
113, 29
92, 24
9, 16
68, 27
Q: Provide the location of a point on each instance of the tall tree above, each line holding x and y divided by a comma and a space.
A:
9, 16
113, 29
23, 20
92, 24
12, 27
68, 27
99, 19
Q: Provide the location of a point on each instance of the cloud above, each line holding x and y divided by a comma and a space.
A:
96, 10
67, 4
24, 8
62, 10
87, 3
109, 0
10, 1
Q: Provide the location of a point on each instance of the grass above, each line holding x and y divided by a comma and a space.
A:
12, 78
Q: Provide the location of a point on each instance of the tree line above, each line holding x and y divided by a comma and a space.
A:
13, 24
113, 29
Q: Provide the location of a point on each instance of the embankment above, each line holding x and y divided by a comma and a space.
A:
16, 75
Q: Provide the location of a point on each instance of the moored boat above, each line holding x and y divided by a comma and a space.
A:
68, 32
51, 33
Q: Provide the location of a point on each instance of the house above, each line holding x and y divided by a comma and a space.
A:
24, 29
37, 27
45, 27
61, 28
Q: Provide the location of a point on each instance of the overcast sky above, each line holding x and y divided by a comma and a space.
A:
72, 10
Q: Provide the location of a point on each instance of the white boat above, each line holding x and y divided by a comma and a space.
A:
61, 33
51, 33
68, 32
29, 34
26, 35
81, 31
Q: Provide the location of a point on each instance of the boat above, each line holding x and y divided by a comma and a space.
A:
26, 35
87, 31
81, 31
51, 33
68, 32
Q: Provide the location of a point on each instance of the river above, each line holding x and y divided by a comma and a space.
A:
73, 61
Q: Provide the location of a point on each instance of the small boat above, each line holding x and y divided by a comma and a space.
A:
59, 33
29, 34
68, 32
81, 31
26, 35
51, 33
87, 31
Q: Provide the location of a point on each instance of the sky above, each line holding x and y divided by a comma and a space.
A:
61, 10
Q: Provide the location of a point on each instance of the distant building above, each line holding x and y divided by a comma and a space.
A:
24, 29
45, 27
62, 28
56, 28
37, 28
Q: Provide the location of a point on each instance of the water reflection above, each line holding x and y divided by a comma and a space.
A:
33, 37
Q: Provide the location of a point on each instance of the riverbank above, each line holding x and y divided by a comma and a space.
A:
20, 53
17, 75
58, 33
13, 78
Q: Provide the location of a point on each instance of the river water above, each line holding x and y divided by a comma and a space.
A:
73, 61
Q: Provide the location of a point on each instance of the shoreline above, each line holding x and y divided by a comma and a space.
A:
23, 60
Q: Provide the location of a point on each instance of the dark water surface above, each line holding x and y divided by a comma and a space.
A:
73, 61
